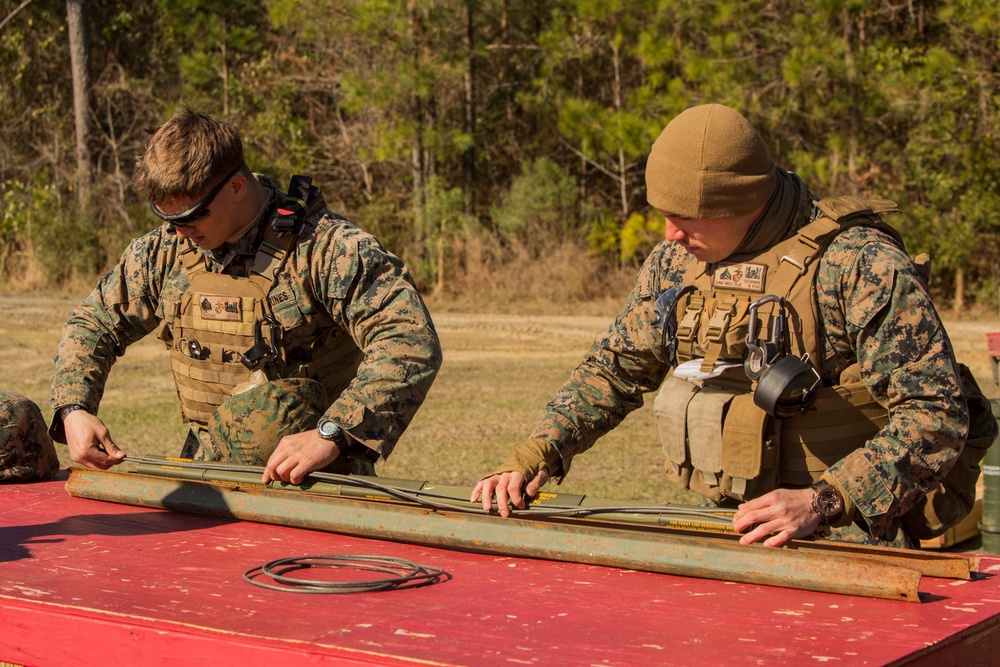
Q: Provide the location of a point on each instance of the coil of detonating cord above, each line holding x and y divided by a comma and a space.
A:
403, 574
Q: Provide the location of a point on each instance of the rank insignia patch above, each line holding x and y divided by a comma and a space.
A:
221, 308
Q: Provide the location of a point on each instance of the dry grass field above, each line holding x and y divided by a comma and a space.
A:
500, 369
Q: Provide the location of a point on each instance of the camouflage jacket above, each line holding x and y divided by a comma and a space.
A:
341, 280
874, 310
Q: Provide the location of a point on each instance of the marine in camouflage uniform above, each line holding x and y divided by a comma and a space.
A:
874, 310
336, 285
26, 450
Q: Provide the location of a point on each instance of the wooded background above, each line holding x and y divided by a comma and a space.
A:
498, 146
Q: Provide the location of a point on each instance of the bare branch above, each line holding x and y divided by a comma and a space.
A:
14, 13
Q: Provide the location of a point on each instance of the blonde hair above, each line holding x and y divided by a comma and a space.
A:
186, 154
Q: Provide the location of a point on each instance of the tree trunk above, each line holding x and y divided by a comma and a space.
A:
439, 288
469, 119
622, 183
959, 303
417, 117
76, 18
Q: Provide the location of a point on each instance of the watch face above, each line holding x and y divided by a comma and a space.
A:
328, 429
828, 502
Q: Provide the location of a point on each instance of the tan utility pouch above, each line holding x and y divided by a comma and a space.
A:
954, 497
670, 410
750, 456
716, 441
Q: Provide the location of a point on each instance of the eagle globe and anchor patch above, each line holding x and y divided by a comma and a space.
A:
746, 277
221, 308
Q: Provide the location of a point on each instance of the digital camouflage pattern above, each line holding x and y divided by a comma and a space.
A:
247, 427
26, 450
337, 281
874, 309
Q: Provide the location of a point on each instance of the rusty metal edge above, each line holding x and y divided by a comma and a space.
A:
943, 565
666, 554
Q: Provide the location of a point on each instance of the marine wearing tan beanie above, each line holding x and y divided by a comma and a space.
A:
709, 162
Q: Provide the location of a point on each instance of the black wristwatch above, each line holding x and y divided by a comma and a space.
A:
329, 430
57, 430
66, 409
827, 502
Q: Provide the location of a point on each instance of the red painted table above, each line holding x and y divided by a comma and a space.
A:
84, 582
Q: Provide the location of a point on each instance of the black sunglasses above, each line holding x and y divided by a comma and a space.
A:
199, 210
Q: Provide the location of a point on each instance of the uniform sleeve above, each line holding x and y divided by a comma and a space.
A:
876, 307
369, 292
117, 313
619, 368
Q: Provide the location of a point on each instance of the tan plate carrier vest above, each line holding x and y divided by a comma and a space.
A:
717, 441
721, 445
219, 314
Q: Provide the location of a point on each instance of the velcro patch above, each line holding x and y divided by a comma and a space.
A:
747, 277
221, 308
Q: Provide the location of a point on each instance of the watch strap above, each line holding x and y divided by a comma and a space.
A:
348, 448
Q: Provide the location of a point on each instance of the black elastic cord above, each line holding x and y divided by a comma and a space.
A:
422, 497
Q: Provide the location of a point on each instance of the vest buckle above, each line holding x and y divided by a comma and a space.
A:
260, 353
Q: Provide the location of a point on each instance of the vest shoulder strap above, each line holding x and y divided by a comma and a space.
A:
840, 208
193, 260
303, 201
839, 213
270, 257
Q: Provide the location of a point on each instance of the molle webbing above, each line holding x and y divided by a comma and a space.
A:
204, 383
219, 317
751, 452
334, 363
790, 273
841, 419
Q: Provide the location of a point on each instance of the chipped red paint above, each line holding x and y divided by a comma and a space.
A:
84, 582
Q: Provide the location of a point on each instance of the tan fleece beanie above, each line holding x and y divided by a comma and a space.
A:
709, 162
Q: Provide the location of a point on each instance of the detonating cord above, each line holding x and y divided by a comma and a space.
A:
423, 498
402, 574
